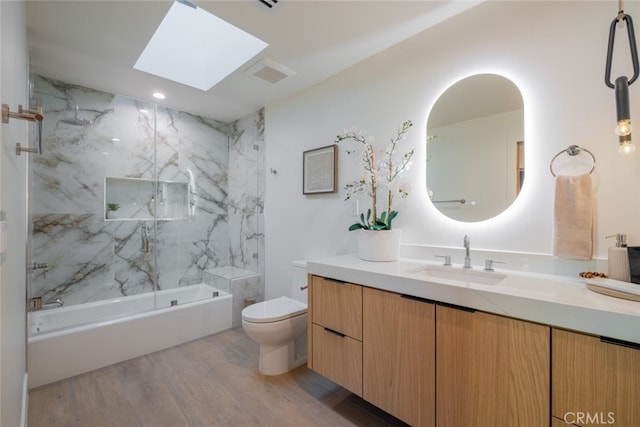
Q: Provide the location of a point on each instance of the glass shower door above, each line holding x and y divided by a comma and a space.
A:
192, 223
98, 153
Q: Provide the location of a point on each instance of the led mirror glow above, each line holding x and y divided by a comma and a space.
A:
195, 48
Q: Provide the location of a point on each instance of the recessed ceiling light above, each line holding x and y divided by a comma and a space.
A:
193, 47
115, 139
159, 95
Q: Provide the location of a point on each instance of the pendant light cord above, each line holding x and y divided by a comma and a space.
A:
632, 45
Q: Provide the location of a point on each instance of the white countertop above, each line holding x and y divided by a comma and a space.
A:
547, 299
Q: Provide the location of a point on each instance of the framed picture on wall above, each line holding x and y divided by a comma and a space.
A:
319, 172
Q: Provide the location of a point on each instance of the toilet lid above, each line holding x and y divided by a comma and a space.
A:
273, 310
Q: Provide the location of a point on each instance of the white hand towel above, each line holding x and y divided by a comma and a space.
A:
573, 218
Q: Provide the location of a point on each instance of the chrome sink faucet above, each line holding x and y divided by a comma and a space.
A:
467, 258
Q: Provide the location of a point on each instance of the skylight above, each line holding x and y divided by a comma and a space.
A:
193, 47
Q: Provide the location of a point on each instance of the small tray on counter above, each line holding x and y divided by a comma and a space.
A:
614, 288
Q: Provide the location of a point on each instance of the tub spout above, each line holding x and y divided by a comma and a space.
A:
58, 302
36, 304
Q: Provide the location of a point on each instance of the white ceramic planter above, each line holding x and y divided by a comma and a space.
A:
382, 245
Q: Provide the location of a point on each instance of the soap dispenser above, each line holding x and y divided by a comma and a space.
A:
619, 259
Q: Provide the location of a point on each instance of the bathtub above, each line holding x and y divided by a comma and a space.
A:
68, 341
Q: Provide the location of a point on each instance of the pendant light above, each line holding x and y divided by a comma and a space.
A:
621, 86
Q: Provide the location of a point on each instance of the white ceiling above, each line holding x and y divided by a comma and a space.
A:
96, 43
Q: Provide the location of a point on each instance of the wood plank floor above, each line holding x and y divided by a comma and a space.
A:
212, 381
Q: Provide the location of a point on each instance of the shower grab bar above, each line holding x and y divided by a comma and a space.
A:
34, 115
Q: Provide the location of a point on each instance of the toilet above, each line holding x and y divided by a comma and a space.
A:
279, 325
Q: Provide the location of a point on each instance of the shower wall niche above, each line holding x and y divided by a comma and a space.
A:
146, 199
189, 191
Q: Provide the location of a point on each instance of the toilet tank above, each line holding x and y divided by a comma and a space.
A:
298, 280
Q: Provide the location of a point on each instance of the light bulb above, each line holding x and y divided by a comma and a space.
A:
627, 147
623, 128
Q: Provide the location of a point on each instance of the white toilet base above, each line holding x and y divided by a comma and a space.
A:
278, 359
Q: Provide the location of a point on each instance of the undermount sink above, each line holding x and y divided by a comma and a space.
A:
481, 277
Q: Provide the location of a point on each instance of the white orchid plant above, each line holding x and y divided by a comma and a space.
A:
377, 174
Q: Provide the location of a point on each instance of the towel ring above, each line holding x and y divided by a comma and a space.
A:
573, 150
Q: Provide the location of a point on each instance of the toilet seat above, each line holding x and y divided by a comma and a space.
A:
273, 310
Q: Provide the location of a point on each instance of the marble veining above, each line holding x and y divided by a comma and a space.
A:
207, 212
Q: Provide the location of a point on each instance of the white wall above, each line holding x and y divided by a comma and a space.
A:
13, 91
554, 51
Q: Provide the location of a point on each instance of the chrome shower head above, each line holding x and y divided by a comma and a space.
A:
75, 120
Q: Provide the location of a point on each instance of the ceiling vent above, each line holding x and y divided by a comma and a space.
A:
270, 71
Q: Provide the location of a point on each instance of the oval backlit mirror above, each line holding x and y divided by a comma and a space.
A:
475, 148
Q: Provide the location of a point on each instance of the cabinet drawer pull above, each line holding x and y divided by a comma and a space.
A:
621, 343
336, 281
335, 332
419, 299
457, 307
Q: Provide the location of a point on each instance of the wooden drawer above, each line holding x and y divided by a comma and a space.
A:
337, 306
595, 380
338, 357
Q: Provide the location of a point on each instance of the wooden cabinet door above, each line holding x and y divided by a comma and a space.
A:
337, 306
491, 370
595, 381
398, 340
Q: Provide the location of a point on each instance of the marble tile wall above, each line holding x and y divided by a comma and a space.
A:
89, 258
246, 190
244, 285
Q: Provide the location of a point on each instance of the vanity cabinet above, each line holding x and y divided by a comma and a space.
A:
491, 370
427, 363
398, 345
596, 381
335, 326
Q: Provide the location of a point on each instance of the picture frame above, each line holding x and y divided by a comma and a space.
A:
319, 170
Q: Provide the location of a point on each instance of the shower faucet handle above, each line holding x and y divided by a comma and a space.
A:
40, 266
